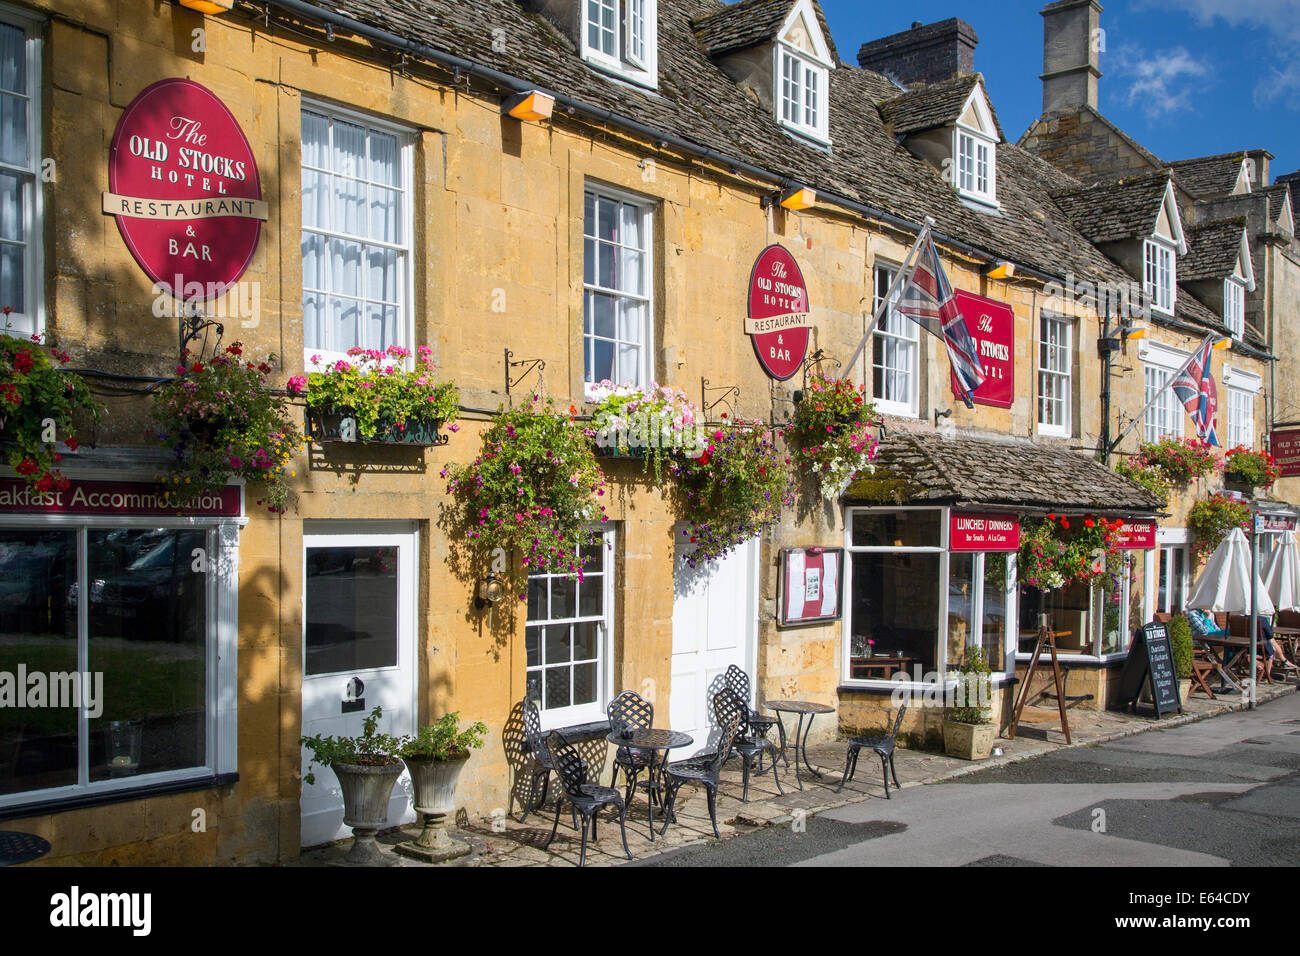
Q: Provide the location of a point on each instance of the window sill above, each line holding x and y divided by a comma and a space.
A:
882, 688
1053, 431
40, 807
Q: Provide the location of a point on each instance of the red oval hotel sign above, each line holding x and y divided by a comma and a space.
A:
778, 313
184, 189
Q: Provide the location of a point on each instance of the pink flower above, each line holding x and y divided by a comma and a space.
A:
297, 385
341, 366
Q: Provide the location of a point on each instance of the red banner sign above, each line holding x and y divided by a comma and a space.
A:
1136, 536
983, 532
993, 327
1284, 445
778, 320
123, 498
184, 189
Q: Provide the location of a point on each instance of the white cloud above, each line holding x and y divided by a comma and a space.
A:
1160, 82
1279, 20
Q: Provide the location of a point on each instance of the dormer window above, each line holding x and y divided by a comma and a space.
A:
1159, 276
975, 178
1234, 307
803, 92
619, 36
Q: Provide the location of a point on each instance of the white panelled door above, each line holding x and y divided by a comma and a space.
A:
715, 625
359, 651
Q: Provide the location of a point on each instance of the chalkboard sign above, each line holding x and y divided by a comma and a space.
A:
1151, 662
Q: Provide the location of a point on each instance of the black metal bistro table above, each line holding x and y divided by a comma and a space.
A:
17, 847
802, 708
655, 740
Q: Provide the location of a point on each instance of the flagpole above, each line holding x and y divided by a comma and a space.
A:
1160, 391
901, 278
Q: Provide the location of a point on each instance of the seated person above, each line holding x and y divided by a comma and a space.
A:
1202, 624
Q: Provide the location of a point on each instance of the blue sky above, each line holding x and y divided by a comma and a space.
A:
1182, 77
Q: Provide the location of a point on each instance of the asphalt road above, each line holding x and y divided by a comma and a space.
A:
1220, 792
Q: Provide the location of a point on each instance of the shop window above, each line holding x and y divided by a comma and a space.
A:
617, 301
568, 639
123, 625
919, 528
895, 354
356, 233
1090, 619
1055, 364
977, 607
1171, 579
895, 607
21, 216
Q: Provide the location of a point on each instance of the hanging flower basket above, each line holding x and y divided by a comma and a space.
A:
1245, 470
654, 424
831, 434
1060, 549
32, 392
1212, 518
370, 397
1180, 461
221, 420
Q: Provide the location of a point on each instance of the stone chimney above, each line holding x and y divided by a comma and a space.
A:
923, 54
1072, 43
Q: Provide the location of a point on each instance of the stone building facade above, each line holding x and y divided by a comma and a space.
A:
488, 223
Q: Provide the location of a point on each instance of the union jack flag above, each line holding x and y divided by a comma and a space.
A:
929, 302
1195, 388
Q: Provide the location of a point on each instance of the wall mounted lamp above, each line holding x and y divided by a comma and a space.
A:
490, 590
1001, 270
208, 6
532, 106
795, 198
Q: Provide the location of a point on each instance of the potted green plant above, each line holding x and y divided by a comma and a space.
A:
435, 756
33, 394
1180, 642
367, 768
220, 419
1245, 470
968, 728
370, 397
830, 434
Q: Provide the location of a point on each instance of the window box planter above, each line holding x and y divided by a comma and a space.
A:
1237, 483
327, 425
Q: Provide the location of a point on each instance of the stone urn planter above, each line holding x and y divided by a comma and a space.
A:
434, 782
366, 791
968, 741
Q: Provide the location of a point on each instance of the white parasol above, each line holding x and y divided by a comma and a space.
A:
1224, 585
1282, 579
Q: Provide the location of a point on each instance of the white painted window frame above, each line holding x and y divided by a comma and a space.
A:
404, 249
904, 335
1059, 351
1160, 274
1234, 307
583, 713
28, 318
221, 729
968, 145
819, 131
646, 209
1242, 387
624, 61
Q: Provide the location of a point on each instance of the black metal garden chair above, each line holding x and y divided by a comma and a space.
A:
631, 711
542, 765
748, 746
702, 769
760, 725
883, 747
586, 798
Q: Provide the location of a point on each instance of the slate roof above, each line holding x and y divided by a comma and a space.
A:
1116, 209
1005, 472
696, 101
1209, 177
1212, 250
939, 104
750, 23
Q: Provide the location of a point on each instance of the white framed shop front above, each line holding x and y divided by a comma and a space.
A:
916, 602
118, 641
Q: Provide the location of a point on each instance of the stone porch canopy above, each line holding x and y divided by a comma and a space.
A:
921, 469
